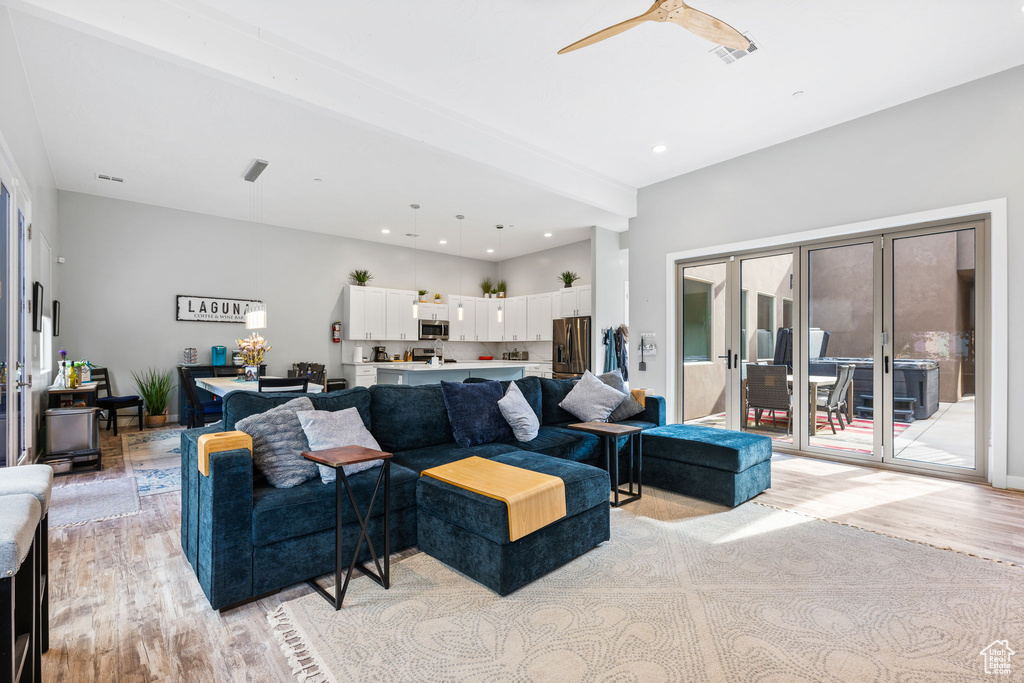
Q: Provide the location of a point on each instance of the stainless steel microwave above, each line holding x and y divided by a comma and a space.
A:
434, 329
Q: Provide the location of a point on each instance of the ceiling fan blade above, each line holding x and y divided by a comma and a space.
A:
605, 33
710, 28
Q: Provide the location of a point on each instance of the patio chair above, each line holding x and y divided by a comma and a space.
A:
768, 389
834, 402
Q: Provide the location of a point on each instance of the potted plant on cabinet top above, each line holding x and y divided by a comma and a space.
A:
423, 295
486, 285
155, 389
568, 277
360, 277
500, 289
437, 297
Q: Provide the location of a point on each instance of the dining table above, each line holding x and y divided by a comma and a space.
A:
223, 385
813, 382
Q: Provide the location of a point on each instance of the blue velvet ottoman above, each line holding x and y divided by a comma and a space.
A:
469, 532
718, 465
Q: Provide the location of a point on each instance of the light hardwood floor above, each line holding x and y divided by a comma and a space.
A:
126, 607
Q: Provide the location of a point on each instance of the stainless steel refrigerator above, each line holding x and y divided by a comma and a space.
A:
570, 348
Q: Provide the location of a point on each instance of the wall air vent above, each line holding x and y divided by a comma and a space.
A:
728, 55
111, 178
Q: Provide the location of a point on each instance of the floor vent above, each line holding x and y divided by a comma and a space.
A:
111, 178
728, 55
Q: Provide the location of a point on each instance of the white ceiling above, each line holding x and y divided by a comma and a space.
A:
462, 106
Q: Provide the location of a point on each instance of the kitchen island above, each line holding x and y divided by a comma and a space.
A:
424, 373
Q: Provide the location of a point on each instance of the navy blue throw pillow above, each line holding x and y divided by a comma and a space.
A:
474, 414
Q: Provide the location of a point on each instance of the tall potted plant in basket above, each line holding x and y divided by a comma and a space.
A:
253, 349
155, 388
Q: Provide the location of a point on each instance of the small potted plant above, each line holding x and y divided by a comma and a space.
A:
423, 295
360, 277
486, 286
568, 277
437, 297
253, 349
500, 289
155, 389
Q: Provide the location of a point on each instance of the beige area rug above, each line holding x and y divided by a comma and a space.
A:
684, 591
75, 504
153, 457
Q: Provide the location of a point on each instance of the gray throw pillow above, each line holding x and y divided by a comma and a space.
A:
518, 413
278, 442
336, 429
629, 406
591, 400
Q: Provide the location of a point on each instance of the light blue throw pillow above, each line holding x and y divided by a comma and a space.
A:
336, 429
518, 413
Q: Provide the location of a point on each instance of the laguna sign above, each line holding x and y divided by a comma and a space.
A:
213, 309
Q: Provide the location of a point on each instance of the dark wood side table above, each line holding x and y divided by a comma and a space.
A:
337, 458
609, 433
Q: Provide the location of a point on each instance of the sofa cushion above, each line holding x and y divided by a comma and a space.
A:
553, 392
336, 429
519, 414
405, 417
719, 449
238, 405
280, 514
419, 459
356, 397
562, 443
585, 488
278, 442
591, 400
629, 405
474, 414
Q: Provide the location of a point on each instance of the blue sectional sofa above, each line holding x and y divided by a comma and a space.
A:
245, 538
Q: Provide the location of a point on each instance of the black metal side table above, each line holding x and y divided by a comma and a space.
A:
609, 433
337, 458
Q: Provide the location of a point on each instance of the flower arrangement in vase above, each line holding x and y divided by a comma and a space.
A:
253, 349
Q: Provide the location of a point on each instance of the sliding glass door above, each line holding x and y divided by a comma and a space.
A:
864, 348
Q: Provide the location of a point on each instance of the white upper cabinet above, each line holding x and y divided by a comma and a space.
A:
516, 322
482, 328
433, 311
364, 312
538, 317
400, 325
575, 301
495, 329
465, 329
583, 306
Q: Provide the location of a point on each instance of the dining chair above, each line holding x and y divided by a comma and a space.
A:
283, 384
110, 403
198, 413
768, 389
834, 402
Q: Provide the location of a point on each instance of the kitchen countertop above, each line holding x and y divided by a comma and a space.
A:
460, 365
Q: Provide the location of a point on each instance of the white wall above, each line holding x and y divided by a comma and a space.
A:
23, 139
127, 261
537, 273
955, 147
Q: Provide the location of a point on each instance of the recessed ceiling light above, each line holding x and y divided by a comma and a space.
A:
444, 242
658, 149
490, 251
385, 231
547, 234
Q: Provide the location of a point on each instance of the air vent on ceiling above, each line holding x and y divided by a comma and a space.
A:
254, 171
111, 178
728, 55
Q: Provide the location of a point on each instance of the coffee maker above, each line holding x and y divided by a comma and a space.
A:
380, 354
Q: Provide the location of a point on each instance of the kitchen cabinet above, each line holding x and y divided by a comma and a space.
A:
515, 319
433, 311
538, 317
364, 312
482, 329
574, 301
465, 329
495, 329
400, 325
359, 375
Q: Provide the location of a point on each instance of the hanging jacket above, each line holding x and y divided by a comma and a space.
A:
611, 358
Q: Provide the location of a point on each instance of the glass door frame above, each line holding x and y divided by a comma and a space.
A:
18, 389
883, 443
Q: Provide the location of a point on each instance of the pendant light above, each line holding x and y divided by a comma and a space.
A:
256, 314
415, 262
501, 307
459, 313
